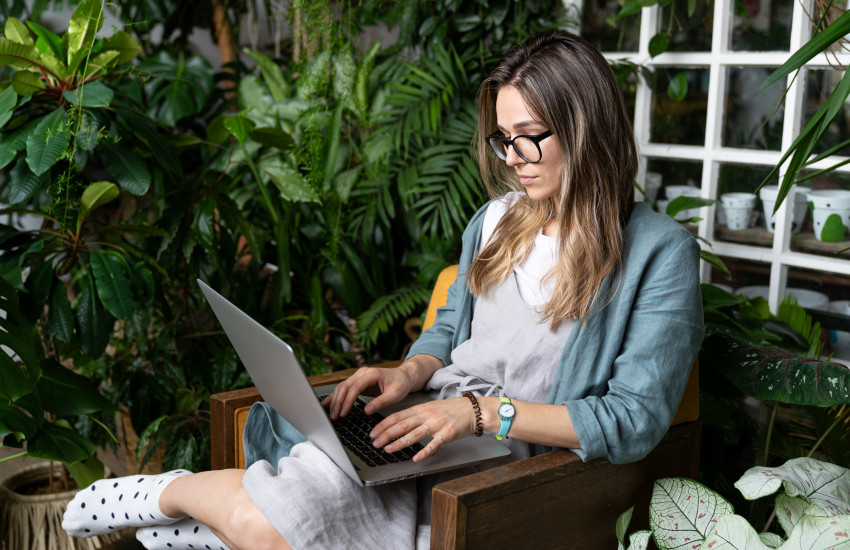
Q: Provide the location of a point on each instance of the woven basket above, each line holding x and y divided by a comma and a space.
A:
34, 522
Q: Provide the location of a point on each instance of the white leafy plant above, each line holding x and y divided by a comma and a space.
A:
813, 510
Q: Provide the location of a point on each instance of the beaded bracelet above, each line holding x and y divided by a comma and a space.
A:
479, 426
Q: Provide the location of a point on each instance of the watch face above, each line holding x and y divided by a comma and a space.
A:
507, 410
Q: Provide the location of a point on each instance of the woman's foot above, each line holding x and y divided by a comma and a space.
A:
111, 504
186, 534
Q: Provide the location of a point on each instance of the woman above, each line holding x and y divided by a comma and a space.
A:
579, 306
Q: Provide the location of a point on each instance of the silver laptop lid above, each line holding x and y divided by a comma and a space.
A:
279, 378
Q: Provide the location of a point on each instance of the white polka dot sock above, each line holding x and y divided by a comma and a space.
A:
186, 534
111, 504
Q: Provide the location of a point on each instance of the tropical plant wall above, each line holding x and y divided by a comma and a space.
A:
322, 190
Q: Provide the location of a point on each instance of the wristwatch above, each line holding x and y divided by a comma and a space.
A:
506, 414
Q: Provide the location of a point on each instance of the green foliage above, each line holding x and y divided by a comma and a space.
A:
39, 396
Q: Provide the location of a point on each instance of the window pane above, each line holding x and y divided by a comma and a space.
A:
595, 27
818, 214
687, 33
741, 214
752, 122
761, 25
819, 84
667, 179
680, 122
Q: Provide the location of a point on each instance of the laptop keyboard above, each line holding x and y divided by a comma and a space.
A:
353, 429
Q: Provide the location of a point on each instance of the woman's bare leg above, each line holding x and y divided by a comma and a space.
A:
219, 500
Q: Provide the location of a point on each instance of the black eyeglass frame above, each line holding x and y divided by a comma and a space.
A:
510, 143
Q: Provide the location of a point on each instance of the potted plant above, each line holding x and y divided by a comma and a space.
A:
41, 402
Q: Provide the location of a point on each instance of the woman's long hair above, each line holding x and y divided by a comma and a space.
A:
569, 87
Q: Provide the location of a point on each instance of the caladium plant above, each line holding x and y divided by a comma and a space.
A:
813, 510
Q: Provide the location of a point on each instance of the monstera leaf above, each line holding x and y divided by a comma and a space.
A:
774, 374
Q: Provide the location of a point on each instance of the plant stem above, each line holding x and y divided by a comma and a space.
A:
12, 457
841, 414
769, 432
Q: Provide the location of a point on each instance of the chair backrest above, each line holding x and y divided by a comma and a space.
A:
688, 408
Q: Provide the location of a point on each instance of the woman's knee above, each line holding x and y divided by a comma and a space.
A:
249, 528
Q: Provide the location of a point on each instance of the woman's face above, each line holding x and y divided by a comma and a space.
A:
541, 180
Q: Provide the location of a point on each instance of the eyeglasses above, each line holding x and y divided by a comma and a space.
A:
527, 147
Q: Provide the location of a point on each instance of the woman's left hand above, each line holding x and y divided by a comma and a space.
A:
444, 420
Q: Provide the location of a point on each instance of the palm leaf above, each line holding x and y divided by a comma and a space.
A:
389, 309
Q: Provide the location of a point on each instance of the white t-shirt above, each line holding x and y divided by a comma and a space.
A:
529, 275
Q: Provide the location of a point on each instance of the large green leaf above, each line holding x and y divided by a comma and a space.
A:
291, 184
124, 43
82, 28
683, 512
17, 32
836, 30
113, 285
773, 374
162, 151
56, 442
97, 194
17, 420
47, 42
203, 223
126, 167
25, 83
23, 57
60, 318
825, 486
100, 63
272, 75
66, 393
48, 141
23, 184
820, 533
94, 324
8, 100
87, 472
93, 94
14, 382
11, 143
239, 126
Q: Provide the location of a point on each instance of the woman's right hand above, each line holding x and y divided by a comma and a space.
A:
393, 384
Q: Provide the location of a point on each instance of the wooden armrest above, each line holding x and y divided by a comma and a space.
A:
555, 500
229, 411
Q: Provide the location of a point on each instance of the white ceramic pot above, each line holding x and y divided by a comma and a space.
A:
673, 191
830, 214
738, 208
768, 195
651, 185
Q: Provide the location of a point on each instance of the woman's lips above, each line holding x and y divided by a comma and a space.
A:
526, 180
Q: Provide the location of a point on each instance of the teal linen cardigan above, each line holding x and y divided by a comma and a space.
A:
623, 371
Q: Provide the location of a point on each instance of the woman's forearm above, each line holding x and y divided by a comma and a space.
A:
534, 422
420, 368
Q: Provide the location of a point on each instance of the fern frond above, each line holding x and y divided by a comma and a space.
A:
387, 310
795, 316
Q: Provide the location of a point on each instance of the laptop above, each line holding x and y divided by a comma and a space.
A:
283, 385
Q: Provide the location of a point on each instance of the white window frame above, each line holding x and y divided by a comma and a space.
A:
779, 257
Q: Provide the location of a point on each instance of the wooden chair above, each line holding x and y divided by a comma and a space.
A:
552, 500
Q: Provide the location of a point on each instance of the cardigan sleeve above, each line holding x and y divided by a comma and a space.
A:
662, 328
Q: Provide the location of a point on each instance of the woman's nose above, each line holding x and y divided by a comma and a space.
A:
512, 158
